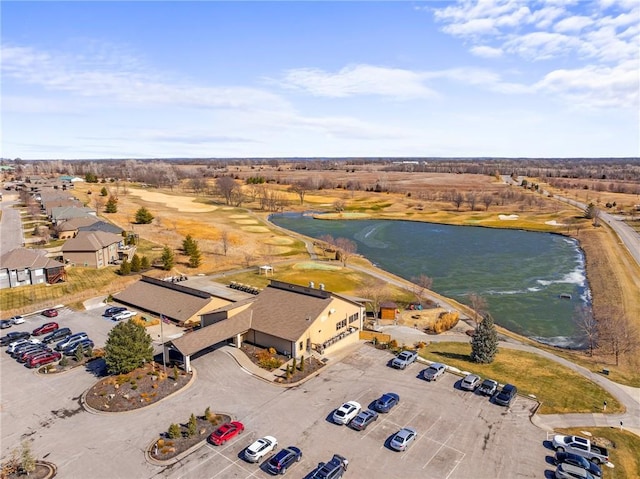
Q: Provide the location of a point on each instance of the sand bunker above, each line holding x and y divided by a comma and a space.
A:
246, 222
508, 217
255, 229
181, 203
554, 223
238, 216
279, 241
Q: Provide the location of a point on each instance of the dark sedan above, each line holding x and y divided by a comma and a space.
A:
363, 419
112, 311
385, 402
13, 336
57, 335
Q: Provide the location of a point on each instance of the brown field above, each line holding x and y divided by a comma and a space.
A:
614, 278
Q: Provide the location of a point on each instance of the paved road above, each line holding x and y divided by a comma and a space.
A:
10, 226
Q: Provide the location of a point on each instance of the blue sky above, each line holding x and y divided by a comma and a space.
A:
556, 78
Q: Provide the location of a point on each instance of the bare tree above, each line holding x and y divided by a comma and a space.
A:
618, 334
375, 292
479, 306
300, 188
224, 239
487, 200
421, 284
346, 249
588, 326
226, 186
471, 199
338, 205
457, 199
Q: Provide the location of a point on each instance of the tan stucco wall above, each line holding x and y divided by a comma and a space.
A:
80, 258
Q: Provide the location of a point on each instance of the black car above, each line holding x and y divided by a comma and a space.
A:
506, 396
112, 311
333, 469
57, 335
13, 336
575, 460
71, 350
385, 402
279, 463
6, 323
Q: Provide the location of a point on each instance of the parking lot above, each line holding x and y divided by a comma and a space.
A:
460, 434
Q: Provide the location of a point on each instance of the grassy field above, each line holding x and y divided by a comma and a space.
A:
623, 446
532, 374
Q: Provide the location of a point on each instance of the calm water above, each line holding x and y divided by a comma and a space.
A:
521, 274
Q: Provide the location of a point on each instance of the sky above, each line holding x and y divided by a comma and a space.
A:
206, 79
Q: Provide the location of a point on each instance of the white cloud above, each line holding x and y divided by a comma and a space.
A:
358, 80
572, 24
541, 45
122, 83
486, 51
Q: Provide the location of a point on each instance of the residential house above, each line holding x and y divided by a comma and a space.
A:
96, 249
63, 213
21, 267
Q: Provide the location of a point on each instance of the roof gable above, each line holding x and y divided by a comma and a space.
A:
91, 241
21, 258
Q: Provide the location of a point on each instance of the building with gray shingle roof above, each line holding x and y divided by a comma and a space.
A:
22, 266
93, 248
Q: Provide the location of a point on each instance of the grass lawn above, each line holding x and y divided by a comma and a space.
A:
623, 446
559, 389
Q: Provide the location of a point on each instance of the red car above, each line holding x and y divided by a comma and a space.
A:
50, 313
45, 328
43, 359
225, 432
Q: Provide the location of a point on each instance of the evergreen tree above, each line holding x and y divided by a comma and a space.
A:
145, 263
27, 462
104, 191
112, 205
174, 431
590, 211
188, 244
128, 347
91, 178
125, 268
168, 260
136, 264
143, 216
79, 354
484, 344
192, 428
195, 258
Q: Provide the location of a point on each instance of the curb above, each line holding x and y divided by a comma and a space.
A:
89, 409
168, 462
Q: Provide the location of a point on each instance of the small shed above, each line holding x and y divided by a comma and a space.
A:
388, 310
266, 270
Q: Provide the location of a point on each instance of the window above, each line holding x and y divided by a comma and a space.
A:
341, 324
300, 346
353, 317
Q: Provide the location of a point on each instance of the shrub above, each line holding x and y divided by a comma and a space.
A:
134, 387
192, 428
302, 363
160, 443
445, 322
175, 372
207, 413
64, 362
174, 431
393, 344
79, 355
272, 351
294, 365
270, 363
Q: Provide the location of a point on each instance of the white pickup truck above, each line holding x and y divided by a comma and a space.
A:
582, 447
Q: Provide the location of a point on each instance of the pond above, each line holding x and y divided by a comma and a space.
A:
532, 282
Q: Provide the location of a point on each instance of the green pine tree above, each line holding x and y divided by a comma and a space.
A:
128, 347
79, 354
104, 191
112, 205
143, 216
136, 264
145, 263
192, 428
195, 258
168, 260
484, 344
125, 267
188, 245
174, 431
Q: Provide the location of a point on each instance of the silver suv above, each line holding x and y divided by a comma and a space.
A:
403, 359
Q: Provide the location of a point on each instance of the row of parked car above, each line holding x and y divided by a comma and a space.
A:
471, 382
35, 351
281, 461
119, 313
14, 320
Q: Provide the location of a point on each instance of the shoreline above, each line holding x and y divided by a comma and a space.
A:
460, 307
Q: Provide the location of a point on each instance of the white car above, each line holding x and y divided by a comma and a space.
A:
263, 446
124, 315
17, 320
345, 413
12, 347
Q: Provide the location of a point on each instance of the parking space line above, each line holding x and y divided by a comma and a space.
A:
457, 464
